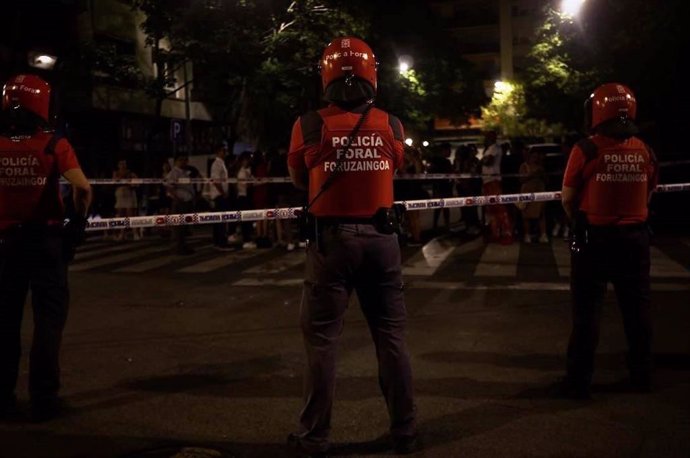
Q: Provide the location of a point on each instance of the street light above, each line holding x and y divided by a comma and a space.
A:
409, 141
571, 8
425, 143
502, 87
404, 64
41, 60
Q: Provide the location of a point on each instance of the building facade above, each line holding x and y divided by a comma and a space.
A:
495, 35
106, 120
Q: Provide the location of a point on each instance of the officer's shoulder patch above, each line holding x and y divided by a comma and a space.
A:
396, 127
52, 144
588, 148
311, 123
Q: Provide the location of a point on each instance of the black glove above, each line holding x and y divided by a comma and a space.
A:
74, 235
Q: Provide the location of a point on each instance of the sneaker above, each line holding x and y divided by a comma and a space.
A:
474, 230
556, 230
641, 382
566, 232
543, 239
249, 246
404, 445
527, 239
302, 244
290, 247
233, 238
184, 251
46, 409
567, 389
296, 445
263, 242
8, 408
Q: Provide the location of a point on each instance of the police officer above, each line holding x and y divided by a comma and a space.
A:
346, 155
606, 188
35, 246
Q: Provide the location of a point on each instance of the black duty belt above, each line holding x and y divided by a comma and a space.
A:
32, 228
617, 229
337, 220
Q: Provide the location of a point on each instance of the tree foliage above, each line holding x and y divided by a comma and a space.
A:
507, 113
636, 42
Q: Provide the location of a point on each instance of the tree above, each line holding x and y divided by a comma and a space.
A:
636, 42
507, 113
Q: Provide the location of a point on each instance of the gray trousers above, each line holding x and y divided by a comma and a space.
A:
354, 256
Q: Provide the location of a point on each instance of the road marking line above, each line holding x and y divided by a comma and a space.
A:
525, 286
561, 253
462, 286
427, 261
219, 262
498, 261
278, 265
90, 246
664, 266
269, 282
154, 263
103, 261
112, 249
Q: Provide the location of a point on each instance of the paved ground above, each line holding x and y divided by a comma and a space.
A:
163, 353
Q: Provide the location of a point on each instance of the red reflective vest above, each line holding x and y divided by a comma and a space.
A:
613, 179
365, 184
30, 169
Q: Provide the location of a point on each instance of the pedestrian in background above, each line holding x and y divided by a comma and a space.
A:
220, 195
501, 227
35, 247
410, 189
442, 188
260, 197
606, 189
283, 196
182, 196
533, 179
244, 183
353, 241
126, 202
468, 163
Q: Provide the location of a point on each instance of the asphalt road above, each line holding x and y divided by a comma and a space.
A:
204, 354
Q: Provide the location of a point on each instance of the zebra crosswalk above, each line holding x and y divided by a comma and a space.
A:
443, 260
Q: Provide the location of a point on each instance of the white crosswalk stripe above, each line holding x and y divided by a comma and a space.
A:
498, 261
429, 258
664, 266
99, 252
280, 268
104, 261
561, 253
219, 262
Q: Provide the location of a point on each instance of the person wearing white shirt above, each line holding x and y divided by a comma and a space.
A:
219, 195
243, 203
499, 220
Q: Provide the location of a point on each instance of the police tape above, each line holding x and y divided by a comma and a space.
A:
192, 219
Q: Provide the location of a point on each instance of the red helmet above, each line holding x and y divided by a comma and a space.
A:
348, 56
612, 101
29, 92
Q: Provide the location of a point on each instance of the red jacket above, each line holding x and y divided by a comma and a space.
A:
365, 183
614, 185
30, 170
